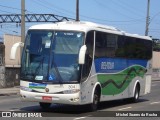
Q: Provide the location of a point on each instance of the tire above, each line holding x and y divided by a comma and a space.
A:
136, 94
44, 105
96, 98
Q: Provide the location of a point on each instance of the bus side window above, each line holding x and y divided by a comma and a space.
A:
99, 45
89, 55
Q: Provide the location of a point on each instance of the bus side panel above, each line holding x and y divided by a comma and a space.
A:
118, 77
87, 89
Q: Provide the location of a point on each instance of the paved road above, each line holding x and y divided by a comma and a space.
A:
150, 102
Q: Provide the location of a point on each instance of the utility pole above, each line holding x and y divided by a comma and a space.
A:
77, 10
147, 19
22, 20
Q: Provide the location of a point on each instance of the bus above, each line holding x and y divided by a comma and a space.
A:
83, 63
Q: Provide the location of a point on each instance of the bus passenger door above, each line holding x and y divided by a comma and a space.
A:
86, 69
89, 55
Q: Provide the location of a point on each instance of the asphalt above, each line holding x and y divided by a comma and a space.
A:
16, 90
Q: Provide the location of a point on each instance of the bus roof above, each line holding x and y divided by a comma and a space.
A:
85, 27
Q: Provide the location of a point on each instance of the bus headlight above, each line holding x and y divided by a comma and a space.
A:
26, 89
71, 91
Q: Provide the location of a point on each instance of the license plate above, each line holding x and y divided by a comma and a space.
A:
47, 98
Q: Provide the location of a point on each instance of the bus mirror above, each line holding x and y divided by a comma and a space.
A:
82, 53
14, 50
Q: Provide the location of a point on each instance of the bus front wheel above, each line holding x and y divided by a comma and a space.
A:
96, 99
44, 105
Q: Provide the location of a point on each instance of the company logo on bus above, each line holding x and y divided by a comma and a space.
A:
107, 65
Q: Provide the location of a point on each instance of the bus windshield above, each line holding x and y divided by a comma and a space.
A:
51, 56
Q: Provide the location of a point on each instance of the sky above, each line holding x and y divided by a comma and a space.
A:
126, 15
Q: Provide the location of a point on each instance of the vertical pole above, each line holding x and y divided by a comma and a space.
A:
77, 10
147, 19
22, 20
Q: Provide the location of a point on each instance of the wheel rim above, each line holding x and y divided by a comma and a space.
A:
95, 102
136, 94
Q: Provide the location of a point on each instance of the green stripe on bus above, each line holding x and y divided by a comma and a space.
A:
113, 84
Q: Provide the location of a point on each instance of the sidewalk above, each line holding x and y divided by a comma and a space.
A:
9, 91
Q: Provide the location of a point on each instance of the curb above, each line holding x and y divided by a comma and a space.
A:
155, 80
8, 94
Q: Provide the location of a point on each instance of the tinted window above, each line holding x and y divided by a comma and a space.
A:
111, 45
129, 47
106, 45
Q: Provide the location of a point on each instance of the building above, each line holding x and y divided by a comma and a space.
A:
9, 69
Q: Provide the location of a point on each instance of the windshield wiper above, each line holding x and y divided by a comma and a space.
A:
37, 69
57, 72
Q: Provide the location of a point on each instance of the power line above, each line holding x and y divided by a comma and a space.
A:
126, 8
10, 7
103, 5
115, 21
6, 12
44, 5
65, 11
14, 9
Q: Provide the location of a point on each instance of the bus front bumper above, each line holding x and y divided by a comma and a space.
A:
71, 99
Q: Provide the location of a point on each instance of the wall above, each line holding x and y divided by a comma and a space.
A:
156, 66
2, 66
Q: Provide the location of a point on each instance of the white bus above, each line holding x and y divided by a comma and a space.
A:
80, 63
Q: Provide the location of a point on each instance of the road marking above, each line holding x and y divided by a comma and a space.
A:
12, 110
82, 117
125, 108
15, 109
154, 85
155, 103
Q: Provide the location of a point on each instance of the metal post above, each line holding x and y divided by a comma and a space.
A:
22, 20
77, 10
147, 19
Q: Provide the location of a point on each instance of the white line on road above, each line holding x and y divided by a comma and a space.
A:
82, 117
155, 103
12, 110
125, 108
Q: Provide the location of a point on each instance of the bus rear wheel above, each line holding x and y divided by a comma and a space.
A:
44, 105
136, 94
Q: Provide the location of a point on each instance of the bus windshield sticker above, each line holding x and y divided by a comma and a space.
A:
39, 78
48, 44
79, 35
69, 34
49, 34
51, 77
